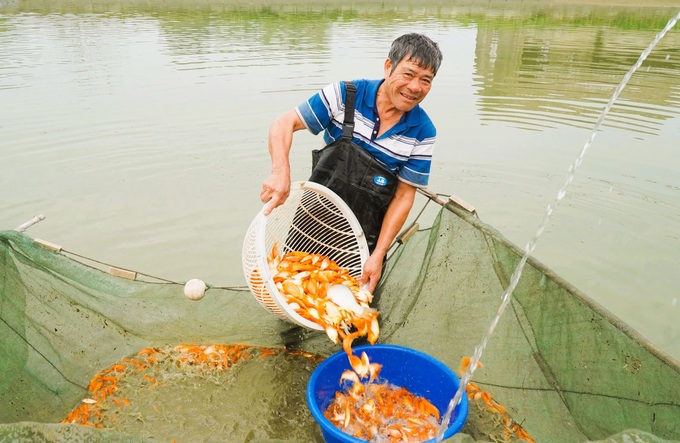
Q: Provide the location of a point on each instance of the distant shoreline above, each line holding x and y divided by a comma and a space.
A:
661, 9
478, 3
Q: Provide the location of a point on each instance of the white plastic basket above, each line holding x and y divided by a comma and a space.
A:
313, 219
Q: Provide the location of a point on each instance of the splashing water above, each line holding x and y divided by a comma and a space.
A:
528, 249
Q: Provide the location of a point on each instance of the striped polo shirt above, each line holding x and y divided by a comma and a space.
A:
405, 149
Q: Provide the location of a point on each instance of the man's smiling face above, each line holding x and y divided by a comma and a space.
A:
407, 84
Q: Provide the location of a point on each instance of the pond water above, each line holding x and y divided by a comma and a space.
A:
139, 128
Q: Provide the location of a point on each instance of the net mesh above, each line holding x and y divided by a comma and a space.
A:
557, 361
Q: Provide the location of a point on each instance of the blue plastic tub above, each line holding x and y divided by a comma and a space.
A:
416, 371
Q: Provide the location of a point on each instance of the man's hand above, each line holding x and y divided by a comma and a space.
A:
275, 191
372, 272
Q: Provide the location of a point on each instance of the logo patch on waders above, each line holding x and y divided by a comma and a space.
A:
380, 181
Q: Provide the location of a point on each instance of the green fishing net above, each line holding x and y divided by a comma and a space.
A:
562, 367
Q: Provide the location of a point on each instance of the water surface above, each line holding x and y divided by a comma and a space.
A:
139, 129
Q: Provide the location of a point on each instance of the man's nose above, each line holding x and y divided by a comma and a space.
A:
414, 85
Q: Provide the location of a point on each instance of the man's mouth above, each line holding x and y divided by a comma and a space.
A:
409, 97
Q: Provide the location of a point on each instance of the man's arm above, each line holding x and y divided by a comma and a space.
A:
276, 188
396, 215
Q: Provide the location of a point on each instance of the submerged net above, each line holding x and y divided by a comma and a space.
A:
557, 363
160, 392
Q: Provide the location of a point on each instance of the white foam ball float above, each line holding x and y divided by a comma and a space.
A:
194, 289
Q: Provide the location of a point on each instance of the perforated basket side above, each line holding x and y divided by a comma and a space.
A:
251, 270
314, 219
330, 228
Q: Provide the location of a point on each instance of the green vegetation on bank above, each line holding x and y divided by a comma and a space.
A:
621, 15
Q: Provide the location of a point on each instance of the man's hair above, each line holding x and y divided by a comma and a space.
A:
416, 48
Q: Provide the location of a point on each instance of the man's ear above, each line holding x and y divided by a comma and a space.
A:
388, 67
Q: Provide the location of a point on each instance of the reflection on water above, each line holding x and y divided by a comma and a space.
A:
528, 81
536, 66
139, 128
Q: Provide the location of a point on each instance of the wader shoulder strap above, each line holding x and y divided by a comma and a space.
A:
348, 124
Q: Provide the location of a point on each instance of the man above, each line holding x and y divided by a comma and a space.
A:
388, 124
